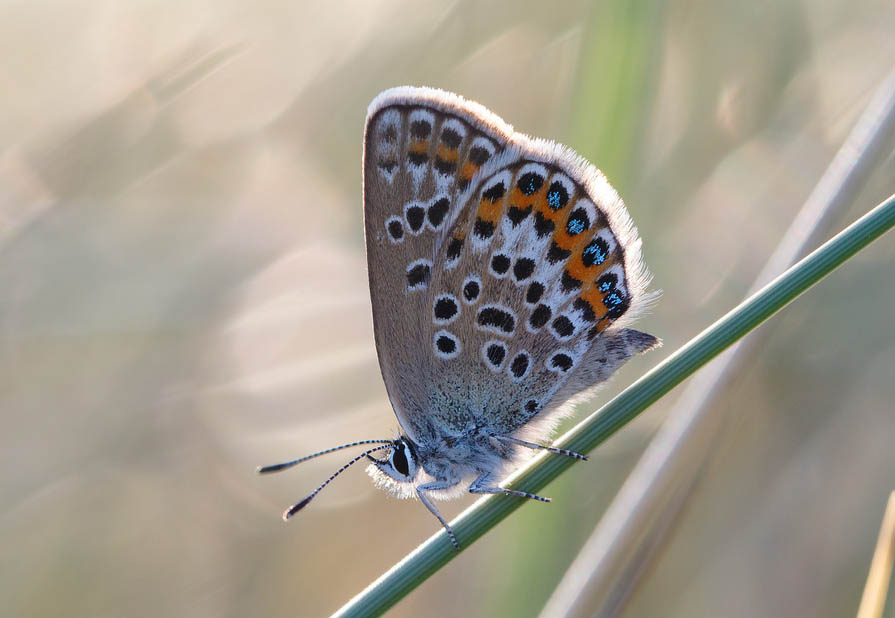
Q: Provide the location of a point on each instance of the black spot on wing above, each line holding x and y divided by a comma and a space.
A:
517, 215
519, 364
496, 319
543, 225
523, 268
445, 344
494, 192
495, 353
445, 308
483, 229
534, 293
471, 291
450, 138
557, 196
479, 156
539, 316
415, 217
500, 264
437, 211
420, 129
563, 326
418, 274
455, 247
530, 182
569, 282
417, 158
395, 229
444, 166
557, 254
561, 361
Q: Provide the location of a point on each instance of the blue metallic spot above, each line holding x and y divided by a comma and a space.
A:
612, 300
575, 226
605, 286
553, 199
594, 253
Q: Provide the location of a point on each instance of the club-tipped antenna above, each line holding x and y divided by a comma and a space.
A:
288, 464
295, 508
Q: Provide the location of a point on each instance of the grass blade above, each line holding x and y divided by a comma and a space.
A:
475, 521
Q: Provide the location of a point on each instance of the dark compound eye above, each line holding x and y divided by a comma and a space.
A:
529, 183
399, 460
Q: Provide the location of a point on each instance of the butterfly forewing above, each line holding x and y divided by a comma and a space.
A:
422, 151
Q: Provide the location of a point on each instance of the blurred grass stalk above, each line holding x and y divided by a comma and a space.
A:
606, 571
873, 601
486, 513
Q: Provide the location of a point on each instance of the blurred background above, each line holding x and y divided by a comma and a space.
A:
183, 297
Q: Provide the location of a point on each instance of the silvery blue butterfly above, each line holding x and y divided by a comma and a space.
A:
503, 269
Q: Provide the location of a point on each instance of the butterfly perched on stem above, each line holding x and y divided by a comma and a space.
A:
503, 270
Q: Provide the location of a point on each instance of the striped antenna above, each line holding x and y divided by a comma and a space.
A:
288, 464
295, 508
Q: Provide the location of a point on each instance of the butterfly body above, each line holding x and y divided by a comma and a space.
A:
502, 270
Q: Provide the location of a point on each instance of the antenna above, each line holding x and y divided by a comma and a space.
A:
288, 464
295, 508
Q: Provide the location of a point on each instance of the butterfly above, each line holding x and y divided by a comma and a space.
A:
503, 270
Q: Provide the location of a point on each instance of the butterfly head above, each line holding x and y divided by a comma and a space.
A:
398, 470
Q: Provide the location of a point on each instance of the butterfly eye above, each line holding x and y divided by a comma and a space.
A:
398, 459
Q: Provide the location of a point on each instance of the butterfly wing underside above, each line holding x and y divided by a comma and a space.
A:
422, 150
502, 268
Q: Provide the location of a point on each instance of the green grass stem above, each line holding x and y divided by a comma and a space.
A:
487, 512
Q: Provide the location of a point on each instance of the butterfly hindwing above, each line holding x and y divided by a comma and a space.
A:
549, 266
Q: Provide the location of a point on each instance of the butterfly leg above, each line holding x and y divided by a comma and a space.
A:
481, 486
549, 449
435, 486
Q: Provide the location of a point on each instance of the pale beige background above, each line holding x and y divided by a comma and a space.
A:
183, 296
